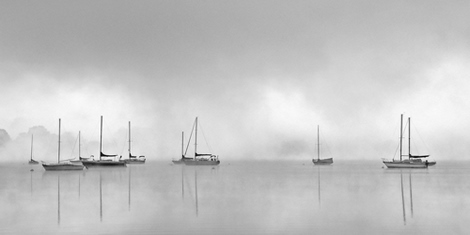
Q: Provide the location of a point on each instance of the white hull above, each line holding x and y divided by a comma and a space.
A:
62, 166
405, 164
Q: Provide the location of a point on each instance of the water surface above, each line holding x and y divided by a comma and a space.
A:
256, 197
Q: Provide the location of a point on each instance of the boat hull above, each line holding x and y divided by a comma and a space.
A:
177, 161
326, 161
201, 163
405, 164
182, 160
89, 164
62, 167
33, 162
133, 161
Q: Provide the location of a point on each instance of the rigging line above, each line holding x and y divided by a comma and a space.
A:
327, 148
424, 143
73, 149
190, 136
124, 145
207, 143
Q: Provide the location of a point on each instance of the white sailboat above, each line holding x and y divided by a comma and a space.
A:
133, 159
318, 161
61, 166
201, 158
411, 162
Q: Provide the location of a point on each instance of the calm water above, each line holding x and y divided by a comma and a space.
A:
237, 198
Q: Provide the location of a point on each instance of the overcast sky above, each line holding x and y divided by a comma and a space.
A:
261, 75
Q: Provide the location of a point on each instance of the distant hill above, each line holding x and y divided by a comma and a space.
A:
4, 137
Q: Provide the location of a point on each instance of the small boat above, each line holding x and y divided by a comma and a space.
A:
412, 161
318, 161
133, 159
80, 158
31, 160
61, 166
105, 159
183, 157
201, 159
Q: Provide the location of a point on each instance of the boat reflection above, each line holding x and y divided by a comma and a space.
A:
31, 182
319, 186
402, 180
195, 186
129, 191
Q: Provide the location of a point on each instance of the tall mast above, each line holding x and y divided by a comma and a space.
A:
101, 136
409, 137
318, 142
58, 154
182, 144
195, 141
129, 139
32, 136
401, 135
79, 153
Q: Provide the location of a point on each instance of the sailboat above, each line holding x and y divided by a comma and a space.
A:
183, 157
107, 162
318, 161
411, 162
80, 158
32, 161
201, 158
133, 159
61, 166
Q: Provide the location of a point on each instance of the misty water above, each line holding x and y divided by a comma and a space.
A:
257, 197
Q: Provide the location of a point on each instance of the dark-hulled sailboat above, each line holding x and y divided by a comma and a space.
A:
318, 161
105, 159
31, 160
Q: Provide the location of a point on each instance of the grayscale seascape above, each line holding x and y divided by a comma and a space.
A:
235, 117
252, 197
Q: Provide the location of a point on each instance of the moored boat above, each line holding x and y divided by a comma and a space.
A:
105, 160
31, 160
61, 166
318, 161
133, 159
183, 157
200, 159
411, 162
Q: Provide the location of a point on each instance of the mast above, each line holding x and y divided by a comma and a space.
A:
32, 136
58, 154
129, 139
182, 144
195, 141
79, 153
409, 137
318, 142
101, 137
401, 134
